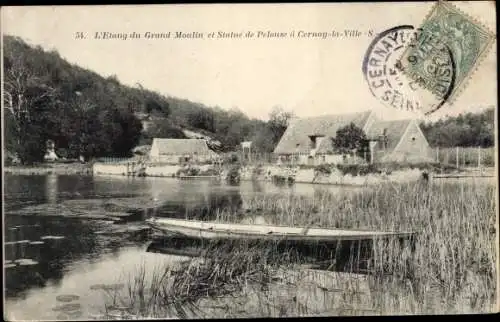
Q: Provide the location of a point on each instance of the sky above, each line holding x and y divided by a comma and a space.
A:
308, 76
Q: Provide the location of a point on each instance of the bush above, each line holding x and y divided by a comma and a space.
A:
231, 158
209, 172
233, 175
257, 171
190, 171
323, 168
279, 179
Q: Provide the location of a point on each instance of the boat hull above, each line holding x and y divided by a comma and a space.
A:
348, 251
216, 231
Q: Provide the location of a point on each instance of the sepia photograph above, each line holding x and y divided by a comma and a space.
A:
233, 161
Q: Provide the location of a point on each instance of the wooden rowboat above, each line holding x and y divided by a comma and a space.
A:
217, 231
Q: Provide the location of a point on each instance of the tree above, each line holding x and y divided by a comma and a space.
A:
349, 139
28, 100
465, 130
279, 120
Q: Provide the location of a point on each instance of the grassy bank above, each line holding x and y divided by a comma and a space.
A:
452, 268
50, 168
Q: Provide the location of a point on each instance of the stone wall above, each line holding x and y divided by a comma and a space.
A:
108, 168
162, 170
336, 177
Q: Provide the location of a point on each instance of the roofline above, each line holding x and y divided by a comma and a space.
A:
370, 115
404, 134
421, 132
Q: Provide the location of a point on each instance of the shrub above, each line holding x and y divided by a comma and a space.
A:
233, 175
209, 172
258, 170
231, 158
323, 168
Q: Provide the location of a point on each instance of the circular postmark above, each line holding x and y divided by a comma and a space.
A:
383, 71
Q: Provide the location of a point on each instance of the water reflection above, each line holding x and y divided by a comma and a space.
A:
51, 188
51, 245
81, 279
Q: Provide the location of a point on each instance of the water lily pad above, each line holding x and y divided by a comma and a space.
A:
97, 287
25, 262
17, 242
75, 314
119, 308
110, 287
52, 237
97, 316
62, 316
67, 307
67, 298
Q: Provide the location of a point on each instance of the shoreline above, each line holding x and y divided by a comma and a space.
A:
64, 168
361, 180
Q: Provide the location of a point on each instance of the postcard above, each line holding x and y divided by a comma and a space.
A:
249, 160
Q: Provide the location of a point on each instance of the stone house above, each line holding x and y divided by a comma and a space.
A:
180, 151
309, 140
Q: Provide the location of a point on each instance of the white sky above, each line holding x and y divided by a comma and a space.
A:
307, 76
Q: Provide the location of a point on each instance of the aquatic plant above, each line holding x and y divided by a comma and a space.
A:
233, 175
454, 258
451, 268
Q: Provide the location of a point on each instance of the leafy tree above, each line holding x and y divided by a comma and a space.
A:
465, 130
90, 115
279, 120
349, 139
47, 98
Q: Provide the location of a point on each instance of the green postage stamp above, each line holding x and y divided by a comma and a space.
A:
448, 48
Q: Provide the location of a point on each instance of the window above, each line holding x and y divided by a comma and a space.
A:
315, 141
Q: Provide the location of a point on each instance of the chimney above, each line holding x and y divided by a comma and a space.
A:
382, 139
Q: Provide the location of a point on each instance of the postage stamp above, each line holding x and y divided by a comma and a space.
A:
382, 71
447, 37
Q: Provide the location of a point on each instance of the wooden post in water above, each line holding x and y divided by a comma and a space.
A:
437, 154
479, 157
457, 157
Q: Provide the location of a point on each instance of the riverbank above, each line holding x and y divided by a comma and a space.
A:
51, 168
344, 175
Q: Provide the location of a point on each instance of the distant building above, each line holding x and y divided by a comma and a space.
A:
309, 140
177, 151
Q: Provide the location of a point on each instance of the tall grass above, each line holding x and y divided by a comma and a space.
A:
455, 250
450, 270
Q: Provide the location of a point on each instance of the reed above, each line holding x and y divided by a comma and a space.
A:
450, 270
454, 257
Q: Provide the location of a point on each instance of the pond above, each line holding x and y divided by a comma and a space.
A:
51, 259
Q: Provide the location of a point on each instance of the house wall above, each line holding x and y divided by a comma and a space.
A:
413, 147
179, 158
154, 153
303, 159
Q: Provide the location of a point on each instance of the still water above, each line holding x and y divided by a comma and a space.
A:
67, 256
